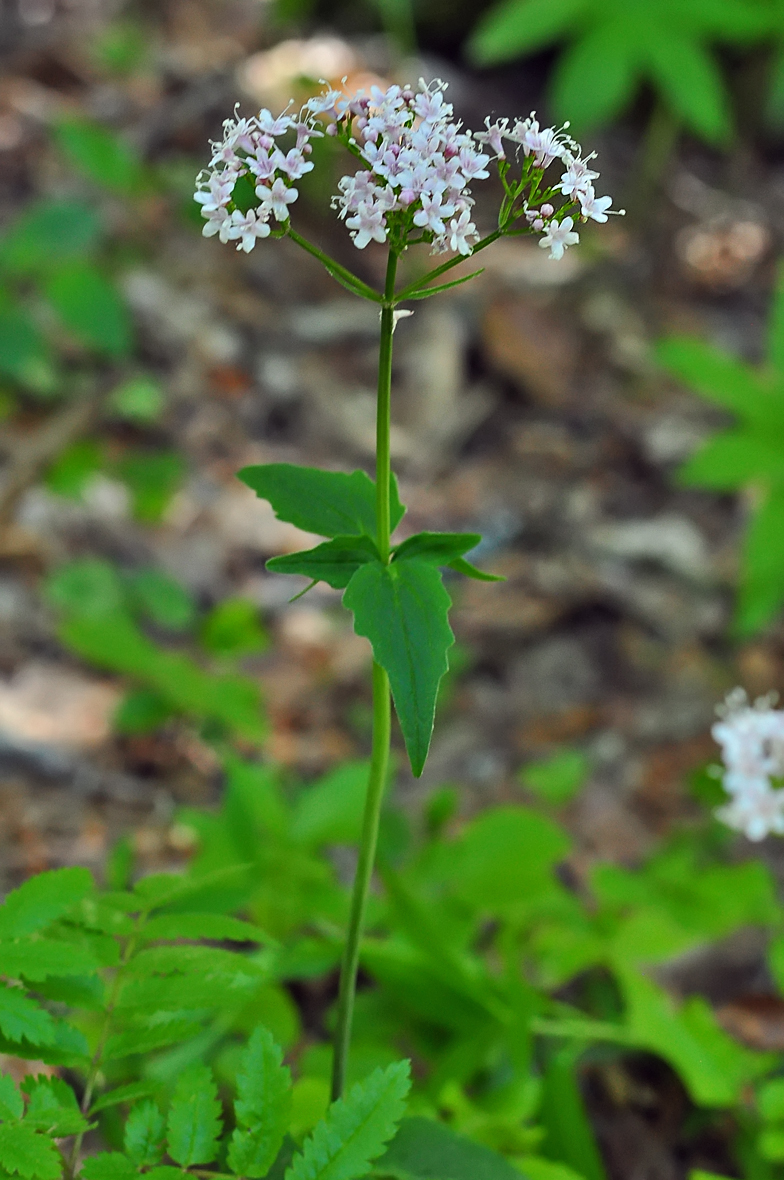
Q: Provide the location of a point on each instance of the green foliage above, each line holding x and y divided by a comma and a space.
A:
612, 48
139, 399
557, 779
153, 477
356, 1129
402, 609
100, 155
425, 1150
90, 308
233, 629
747, 455
262, 1109
98, 607
194, 1122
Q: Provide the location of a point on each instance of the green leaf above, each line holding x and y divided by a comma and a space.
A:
595, 77
47, 233
22, 1019
733, 459
439, 548
334, 562
41, 957
262, 1108
90, 307
689, 79
557, 779
776, 325
164, 600
41, 900
233, 629
761, 592
424, 1149
194, 1123
328, 503
206, 960
90, 587
403, 610
72, 470
25, 355
31, 1155
722, 379
770, 1099
153, 477
356, 1128
67, 1047
515, 26
217, 926
461, 566
185, 993
53, 1107
330, 811
11, 1104
139, 399
569, 1136
507, 856
144, 1132
129, 1093
109, 1165
141, 711
100, 155
137, 1042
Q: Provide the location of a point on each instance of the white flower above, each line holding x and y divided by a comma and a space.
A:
460, 230
545, 145
558, 237
293, 164
493, 136
431, 215
368, 225
218, 223
262, 164
269, 125
277, 199
247, 227
577, 177
752, 746
593, 206
217, 195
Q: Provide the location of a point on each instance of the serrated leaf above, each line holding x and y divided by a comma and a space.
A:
194, 1123
403, 610
53, 1108
438, 548
42, 957
67, 1047
262, 1107
109, 1165
130, 1093
41, 900
356, 1128
424, 1149
90, 307
207, 960
11, 1105
144, 1134
216, 926
29, 1154
328, 503
515, 26
140, 1041
184, 993
335, 562
165, 1172
164, 889
22, 1019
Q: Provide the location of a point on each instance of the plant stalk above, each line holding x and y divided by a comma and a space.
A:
382, 710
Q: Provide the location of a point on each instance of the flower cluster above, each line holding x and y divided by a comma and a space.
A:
251, 179
414, 183
752, 745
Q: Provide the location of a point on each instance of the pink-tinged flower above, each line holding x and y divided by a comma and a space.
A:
245, 228
594, 207
367, 226
432, 213
294, 164
473, 164
431, 107
262, 164
332, 103
276, 200
493, 136
577, 177
219, 223
558, 237
218, 193
269, 125
544, 145
460, 230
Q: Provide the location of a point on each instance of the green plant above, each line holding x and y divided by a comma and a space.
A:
748, 456
613, 47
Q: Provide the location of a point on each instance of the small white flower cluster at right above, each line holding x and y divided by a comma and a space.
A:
752, 745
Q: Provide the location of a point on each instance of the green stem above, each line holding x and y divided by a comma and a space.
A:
341, 273
445, 266
382, 710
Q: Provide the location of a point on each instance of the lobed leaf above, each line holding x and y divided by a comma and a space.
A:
216, 926
42, 899
144, 1133
355, 1129
440, 548
140, 1041
40, 958
335, 562
328, 503
11, 1104
402, 609
262, 1107
31, 1155
22, 1019
53, 1107
194, 1122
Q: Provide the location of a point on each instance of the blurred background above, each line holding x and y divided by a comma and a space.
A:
628, 487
